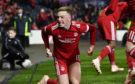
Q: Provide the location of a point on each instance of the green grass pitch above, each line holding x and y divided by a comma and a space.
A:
89, 74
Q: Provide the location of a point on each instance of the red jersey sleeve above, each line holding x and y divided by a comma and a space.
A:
92, 30
84, 28
45, 34
112, 7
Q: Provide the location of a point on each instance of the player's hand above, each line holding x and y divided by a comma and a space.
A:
49, 53
44, 80
90, 50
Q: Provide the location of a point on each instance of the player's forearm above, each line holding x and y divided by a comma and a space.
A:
92, 34
45, 39
46, 42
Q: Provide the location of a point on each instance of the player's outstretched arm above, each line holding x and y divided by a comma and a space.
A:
92, 31
45, 38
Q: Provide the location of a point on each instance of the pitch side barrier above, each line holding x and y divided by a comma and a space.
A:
36, 38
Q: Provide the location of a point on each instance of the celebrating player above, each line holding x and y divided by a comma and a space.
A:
66, 35
106, 23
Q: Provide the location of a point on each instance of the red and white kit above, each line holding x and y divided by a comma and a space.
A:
66, 42
131, 33
109, 17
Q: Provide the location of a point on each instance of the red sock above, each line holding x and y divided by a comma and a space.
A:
105, 51
133, 64
112, 57
132, 52
129, 60
52, 81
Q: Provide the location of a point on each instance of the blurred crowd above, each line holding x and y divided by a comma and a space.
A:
43, 12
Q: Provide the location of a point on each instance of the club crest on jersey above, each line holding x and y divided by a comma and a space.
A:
59, 36
75, 34
62, 68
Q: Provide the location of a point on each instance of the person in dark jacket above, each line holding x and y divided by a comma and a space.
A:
12, 50
22, 24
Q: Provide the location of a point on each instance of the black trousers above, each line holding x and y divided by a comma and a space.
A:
11, 59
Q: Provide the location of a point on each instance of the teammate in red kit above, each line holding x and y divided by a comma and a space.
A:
66, 35
130, 44
106, 23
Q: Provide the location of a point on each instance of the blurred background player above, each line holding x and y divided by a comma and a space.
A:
66, 35
130, 44
12, 50
106, 23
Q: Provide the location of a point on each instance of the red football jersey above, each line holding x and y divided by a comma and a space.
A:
120, 11
66, 41
115, 11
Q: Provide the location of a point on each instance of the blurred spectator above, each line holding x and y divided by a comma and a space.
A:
90, 16
74, 14
80, 13
22, 23
52, 15
34, 26
43, 18
14, 8
1, 18
1, 24
1, 6
5, 26
33, 3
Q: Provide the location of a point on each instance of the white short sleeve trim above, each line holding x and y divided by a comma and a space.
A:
87, 28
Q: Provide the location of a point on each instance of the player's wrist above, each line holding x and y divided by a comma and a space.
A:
92, 46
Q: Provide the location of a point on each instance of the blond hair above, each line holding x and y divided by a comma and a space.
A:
65, 8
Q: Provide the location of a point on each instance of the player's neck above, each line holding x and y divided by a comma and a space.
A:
67, 27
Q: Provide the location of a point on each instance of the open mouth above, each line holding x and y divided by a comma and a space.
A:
61, 23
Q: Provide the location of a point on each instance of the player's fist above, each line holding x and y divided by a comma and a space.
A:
48, 53
90, 50
44, 80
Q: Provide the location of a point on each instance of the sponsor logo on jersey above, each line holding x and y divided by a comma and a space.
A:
59, 36
71, 40
62, 68
75, 34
